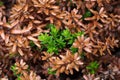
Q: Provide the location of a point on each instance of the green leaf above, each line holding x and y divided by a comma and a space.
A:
66, 33
87, 14
51, 50
70, 42
55, 40
74, 50
50, 25
89, 67
44, 38
51, 72
94, 64
51, 46
60, 42
13, 67
74, 36
32, 44
92, 67
53, 30
78, 34
11, 55
18, 78
92, 71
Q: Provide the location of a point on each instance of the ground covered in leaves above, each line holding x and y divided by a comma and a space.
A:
59, 39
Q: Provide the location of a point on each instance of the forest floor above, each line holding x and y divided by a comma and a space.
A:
59, 39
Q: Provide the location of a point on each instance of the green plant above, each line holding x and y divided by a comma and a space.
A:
19, 69
67, 36
11, 55
57, 39
87, 14
33, 46
50, 71
92, 67
73, 50
14, 70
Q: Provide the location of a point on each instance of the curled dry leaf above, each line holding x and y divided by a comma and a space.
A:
90, 3
25, 23
20, 11
101, 15
73, 19
66, 63
90, 77
91, 30
30, 25
45, 6
105, 47
83, 44
21, 67
46, 56
31, 76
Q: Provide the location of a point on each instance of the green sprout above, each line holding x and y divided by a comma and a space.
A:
14, 70
11, 55
50, 71
92, 67
73, 50
34, 47
87, 14
32, 44
56, 39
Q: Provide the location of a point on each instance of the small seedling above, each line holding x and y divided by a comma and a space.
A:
56, 39
87, 14
92, 67
13, 68
15, 71
73, 50
51, 72
11, 55
78, 34
34, 47
31, 44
